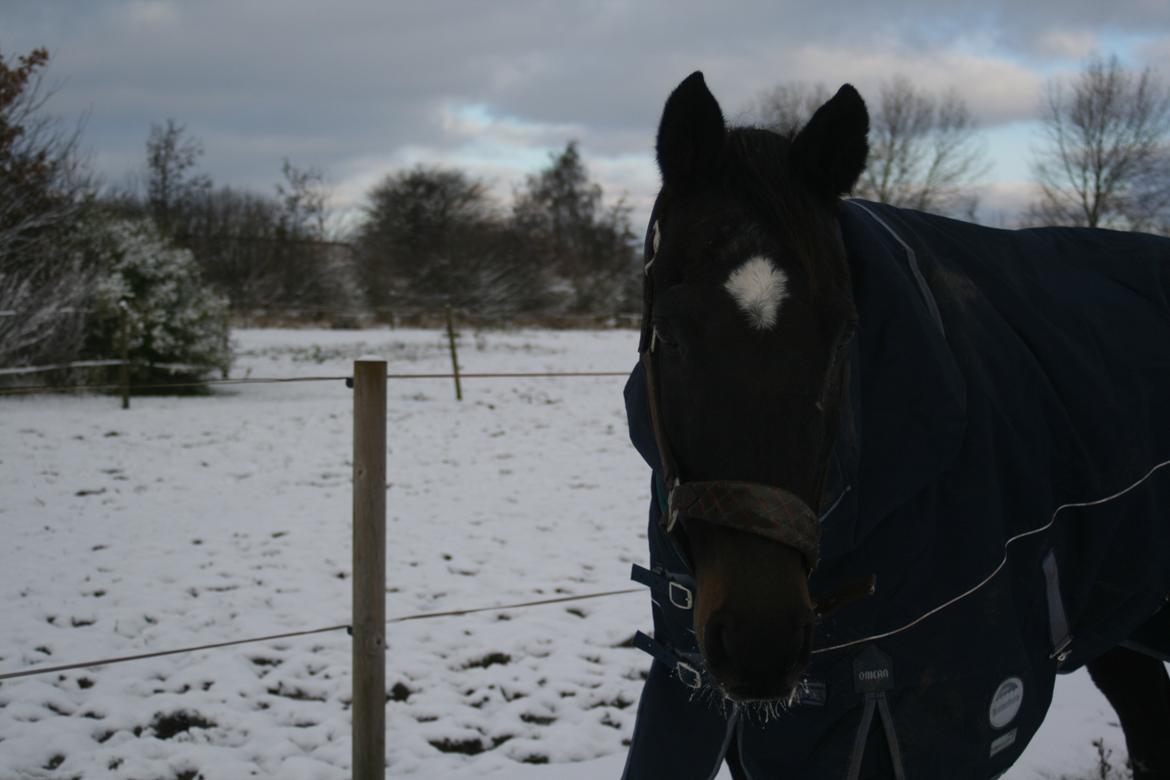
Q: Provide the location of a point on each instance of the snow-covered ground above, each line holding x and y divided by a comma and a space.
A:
200, 519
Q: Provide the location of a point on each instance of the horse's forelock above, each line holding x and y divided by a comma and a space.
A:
756, 172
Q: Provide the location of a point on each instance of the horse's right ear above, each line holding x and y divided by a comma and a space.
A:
829, 152
690, 135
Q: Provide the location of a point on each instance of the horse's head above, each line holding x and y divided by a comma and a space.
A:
749, 311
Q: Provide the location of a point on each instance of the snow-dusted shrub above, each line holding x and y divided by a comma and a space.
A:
176, 324
42, 313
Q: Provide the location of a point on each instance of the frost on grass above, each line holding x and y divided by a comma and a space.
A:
166, 726
211, 518
1108, 767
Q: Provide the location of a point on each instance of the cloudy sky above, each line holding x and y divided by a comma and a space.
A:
363, 88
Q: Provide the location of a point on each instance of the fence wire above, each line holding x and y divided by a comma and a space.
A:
39, 670
19, 370
509, 374
25, 389
28, 389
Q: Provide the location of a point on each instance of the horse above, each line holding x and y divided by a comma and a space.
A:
906, 469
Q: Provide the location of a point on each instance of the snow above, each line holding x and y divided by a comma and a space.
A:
191, 520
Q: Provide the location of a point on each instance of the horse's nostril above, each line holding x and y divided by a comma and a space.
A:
735, 649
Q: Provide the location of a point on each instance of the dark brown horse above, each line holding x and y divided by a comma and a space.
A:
756, 302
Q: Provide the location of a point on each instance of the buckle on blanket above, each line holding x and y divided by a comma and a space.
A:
1062, 651
689, 675
680, 595
676, 588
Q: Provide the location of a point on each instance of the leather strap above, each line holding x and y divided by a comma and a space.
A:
688, 667
669, 469
763, 510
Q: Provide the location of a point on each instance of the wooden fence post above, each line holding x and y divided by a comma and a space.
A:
369, 570
124, 339
454, 355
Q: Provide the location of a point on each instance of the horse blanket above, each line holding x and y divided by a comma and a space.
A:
1004, 471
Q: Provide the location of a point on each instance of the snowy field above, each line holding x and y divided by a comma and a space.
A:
194, 520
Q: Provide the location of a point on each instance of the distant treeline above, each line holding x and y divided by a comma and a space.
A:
429, 237
161, 264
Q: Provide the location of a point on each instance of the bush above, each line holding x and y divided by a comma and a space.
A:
176, 324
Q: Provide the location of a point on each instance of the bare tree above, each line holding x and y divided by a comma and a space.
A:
1105, 159
326, 269
923, 149
265, 252
585, 247
171, 158
429, 237
786, 106
434, 235
45, 198
304, 201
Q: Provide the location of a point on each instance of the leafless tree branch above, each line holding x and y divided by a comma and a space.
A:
1104, 158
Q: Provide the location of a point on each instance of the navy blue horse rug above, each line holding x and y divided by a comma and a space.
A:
1005, 473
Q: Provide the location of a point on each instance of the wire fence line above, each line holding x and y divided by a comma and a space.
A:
19, 370
39, 670
540, 602
510, 374
415, 309
45, 388
24, 389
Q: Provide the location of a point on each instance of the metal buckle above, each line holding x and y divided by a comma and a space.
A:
689, 675
1061, 653
671, 512
684, 599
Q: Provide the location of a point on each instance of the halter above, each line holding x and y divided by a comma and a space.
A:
764, 510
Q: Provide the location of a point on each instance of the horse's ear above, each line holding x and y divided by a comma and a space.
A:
690, 135
829, 152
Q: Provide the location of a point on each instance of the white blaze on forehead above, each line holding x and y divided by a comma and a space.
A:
759, 288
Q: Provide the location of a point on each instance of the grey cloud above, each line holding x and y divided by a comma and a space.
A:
356, 81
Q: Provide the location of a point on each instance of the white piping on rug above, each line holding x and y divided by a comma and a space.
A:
836, 503
732, 731
998, 568
912, 259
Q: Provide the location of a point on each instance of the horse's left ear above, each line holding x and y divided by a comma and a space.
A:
829, 152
